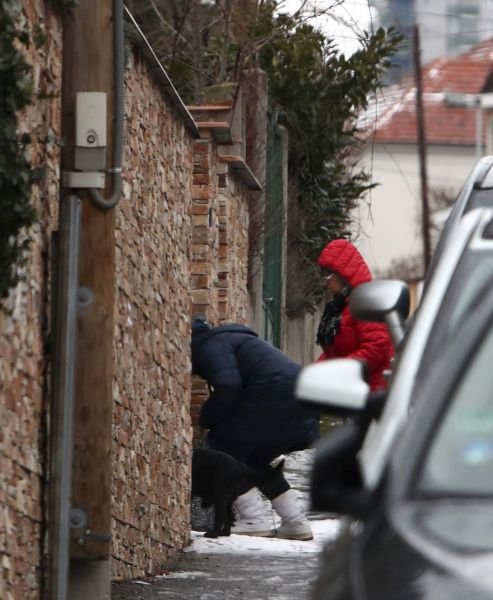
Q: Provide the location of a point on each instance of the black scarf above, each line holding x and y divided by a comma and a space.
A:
330, 322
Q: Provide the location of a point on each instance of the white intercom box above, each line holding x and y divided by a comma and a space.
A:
90, 131
90, 119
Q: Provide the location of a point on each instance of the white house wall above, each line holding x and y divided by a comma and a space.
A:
387, 223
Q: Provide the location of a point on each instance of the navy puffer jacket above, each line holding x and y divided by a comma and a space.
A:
253, 389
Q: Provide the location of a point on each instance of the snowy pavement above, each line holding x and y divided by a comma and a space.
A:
296, 470
243, 567
323, 530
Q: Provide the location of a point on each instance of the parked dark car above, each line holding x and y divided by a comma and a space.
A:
429, 531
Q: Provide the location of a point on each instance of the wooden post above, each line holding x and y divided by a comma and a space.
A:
421, 134
88, 66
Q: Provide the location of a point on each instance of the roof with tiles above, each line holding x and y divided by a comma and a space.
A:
391, 118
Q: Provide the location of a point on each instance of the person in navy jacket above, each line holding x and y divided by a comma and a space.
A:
252, 414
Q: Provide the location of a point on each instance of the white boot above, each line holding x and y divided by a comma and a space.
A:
252, 516
294, 524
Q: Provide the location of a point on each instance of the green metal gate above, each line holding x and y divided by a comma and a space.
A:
273, 240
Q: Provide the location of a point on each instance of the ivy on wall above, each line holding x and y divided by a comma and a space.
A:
16, 172
16, 175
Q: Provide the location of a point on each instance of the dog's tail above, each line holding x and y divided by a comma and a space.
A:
260, 476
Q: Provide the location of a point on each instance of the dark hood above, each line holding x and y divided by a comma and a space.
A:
200, 336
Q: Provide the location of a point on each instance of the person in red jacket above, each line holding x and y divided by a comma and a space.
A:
341, 335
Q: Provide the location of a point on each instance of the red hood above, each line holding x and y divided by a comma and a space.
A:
342, 256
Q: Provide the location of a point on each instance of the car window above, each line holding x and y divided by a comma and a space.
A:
468, 199
383, 433
473, 274
460, 458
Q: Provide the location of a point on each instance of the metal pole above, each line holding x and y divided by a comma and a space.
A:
65, 328
479, 127
420, 123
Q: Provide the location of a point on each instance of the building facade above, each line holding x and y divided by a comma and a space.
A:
447, 27
456, 92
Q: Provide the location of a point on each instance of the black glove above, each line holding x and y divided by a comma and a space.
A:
218, 406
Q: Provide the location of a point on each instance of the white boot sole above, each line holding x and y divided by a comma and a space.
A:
266, 534
301, 537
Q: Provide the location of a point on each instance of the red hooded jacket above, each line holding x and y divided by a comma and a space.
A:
362, 340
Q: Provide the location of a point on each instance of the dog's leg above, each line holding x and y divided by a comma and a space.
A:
220, 517
230, 516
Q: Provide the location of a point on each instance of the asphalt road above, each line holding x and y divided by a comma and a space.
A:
196, 576
257, 575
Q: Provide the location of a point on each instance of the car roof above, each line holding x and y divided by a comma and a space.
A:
472, 195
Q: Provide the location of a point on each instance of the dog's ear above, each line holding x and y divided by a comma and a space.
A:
279, 466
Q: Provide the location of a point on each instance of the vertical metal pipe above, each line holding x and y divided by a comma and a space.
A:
63, 368
479, 127
421, 138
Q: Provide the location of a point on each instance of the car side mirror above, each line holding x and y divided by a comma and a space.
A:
334, 386
385, 301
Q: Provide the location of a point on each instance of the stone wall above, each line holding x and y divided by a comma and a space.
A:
24, 329
152, 432
181, 249
152, 428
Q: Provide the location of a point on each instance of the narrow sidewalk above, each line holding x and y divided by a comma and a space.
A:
242, 566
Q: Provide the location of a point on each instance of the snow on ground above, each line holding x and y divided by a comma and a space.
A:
323, 530
297, 471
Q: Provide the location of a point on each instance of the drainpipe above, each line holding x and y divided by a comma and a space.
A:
65, 327
119, 108
479, 127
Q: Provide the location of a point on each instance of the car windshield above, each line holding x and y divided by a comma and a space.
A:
468, 199
459, 460
474, 273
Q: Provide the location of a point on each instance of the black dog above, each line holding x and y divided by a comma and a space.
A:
218, 479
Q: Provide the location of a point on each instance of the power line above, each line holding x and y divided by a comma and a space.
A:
463, 16
420, 11
452, 16
433, 32
438, 33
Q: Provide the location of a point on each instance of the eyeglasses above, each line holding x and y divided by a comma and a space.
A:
326, 274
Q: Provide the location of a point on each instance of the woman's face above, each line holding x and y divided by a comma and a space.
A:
333, 282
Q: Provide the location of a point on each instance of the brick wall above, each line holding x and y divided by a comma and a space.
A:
220, 237
205, 232
219, 247
23, 335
